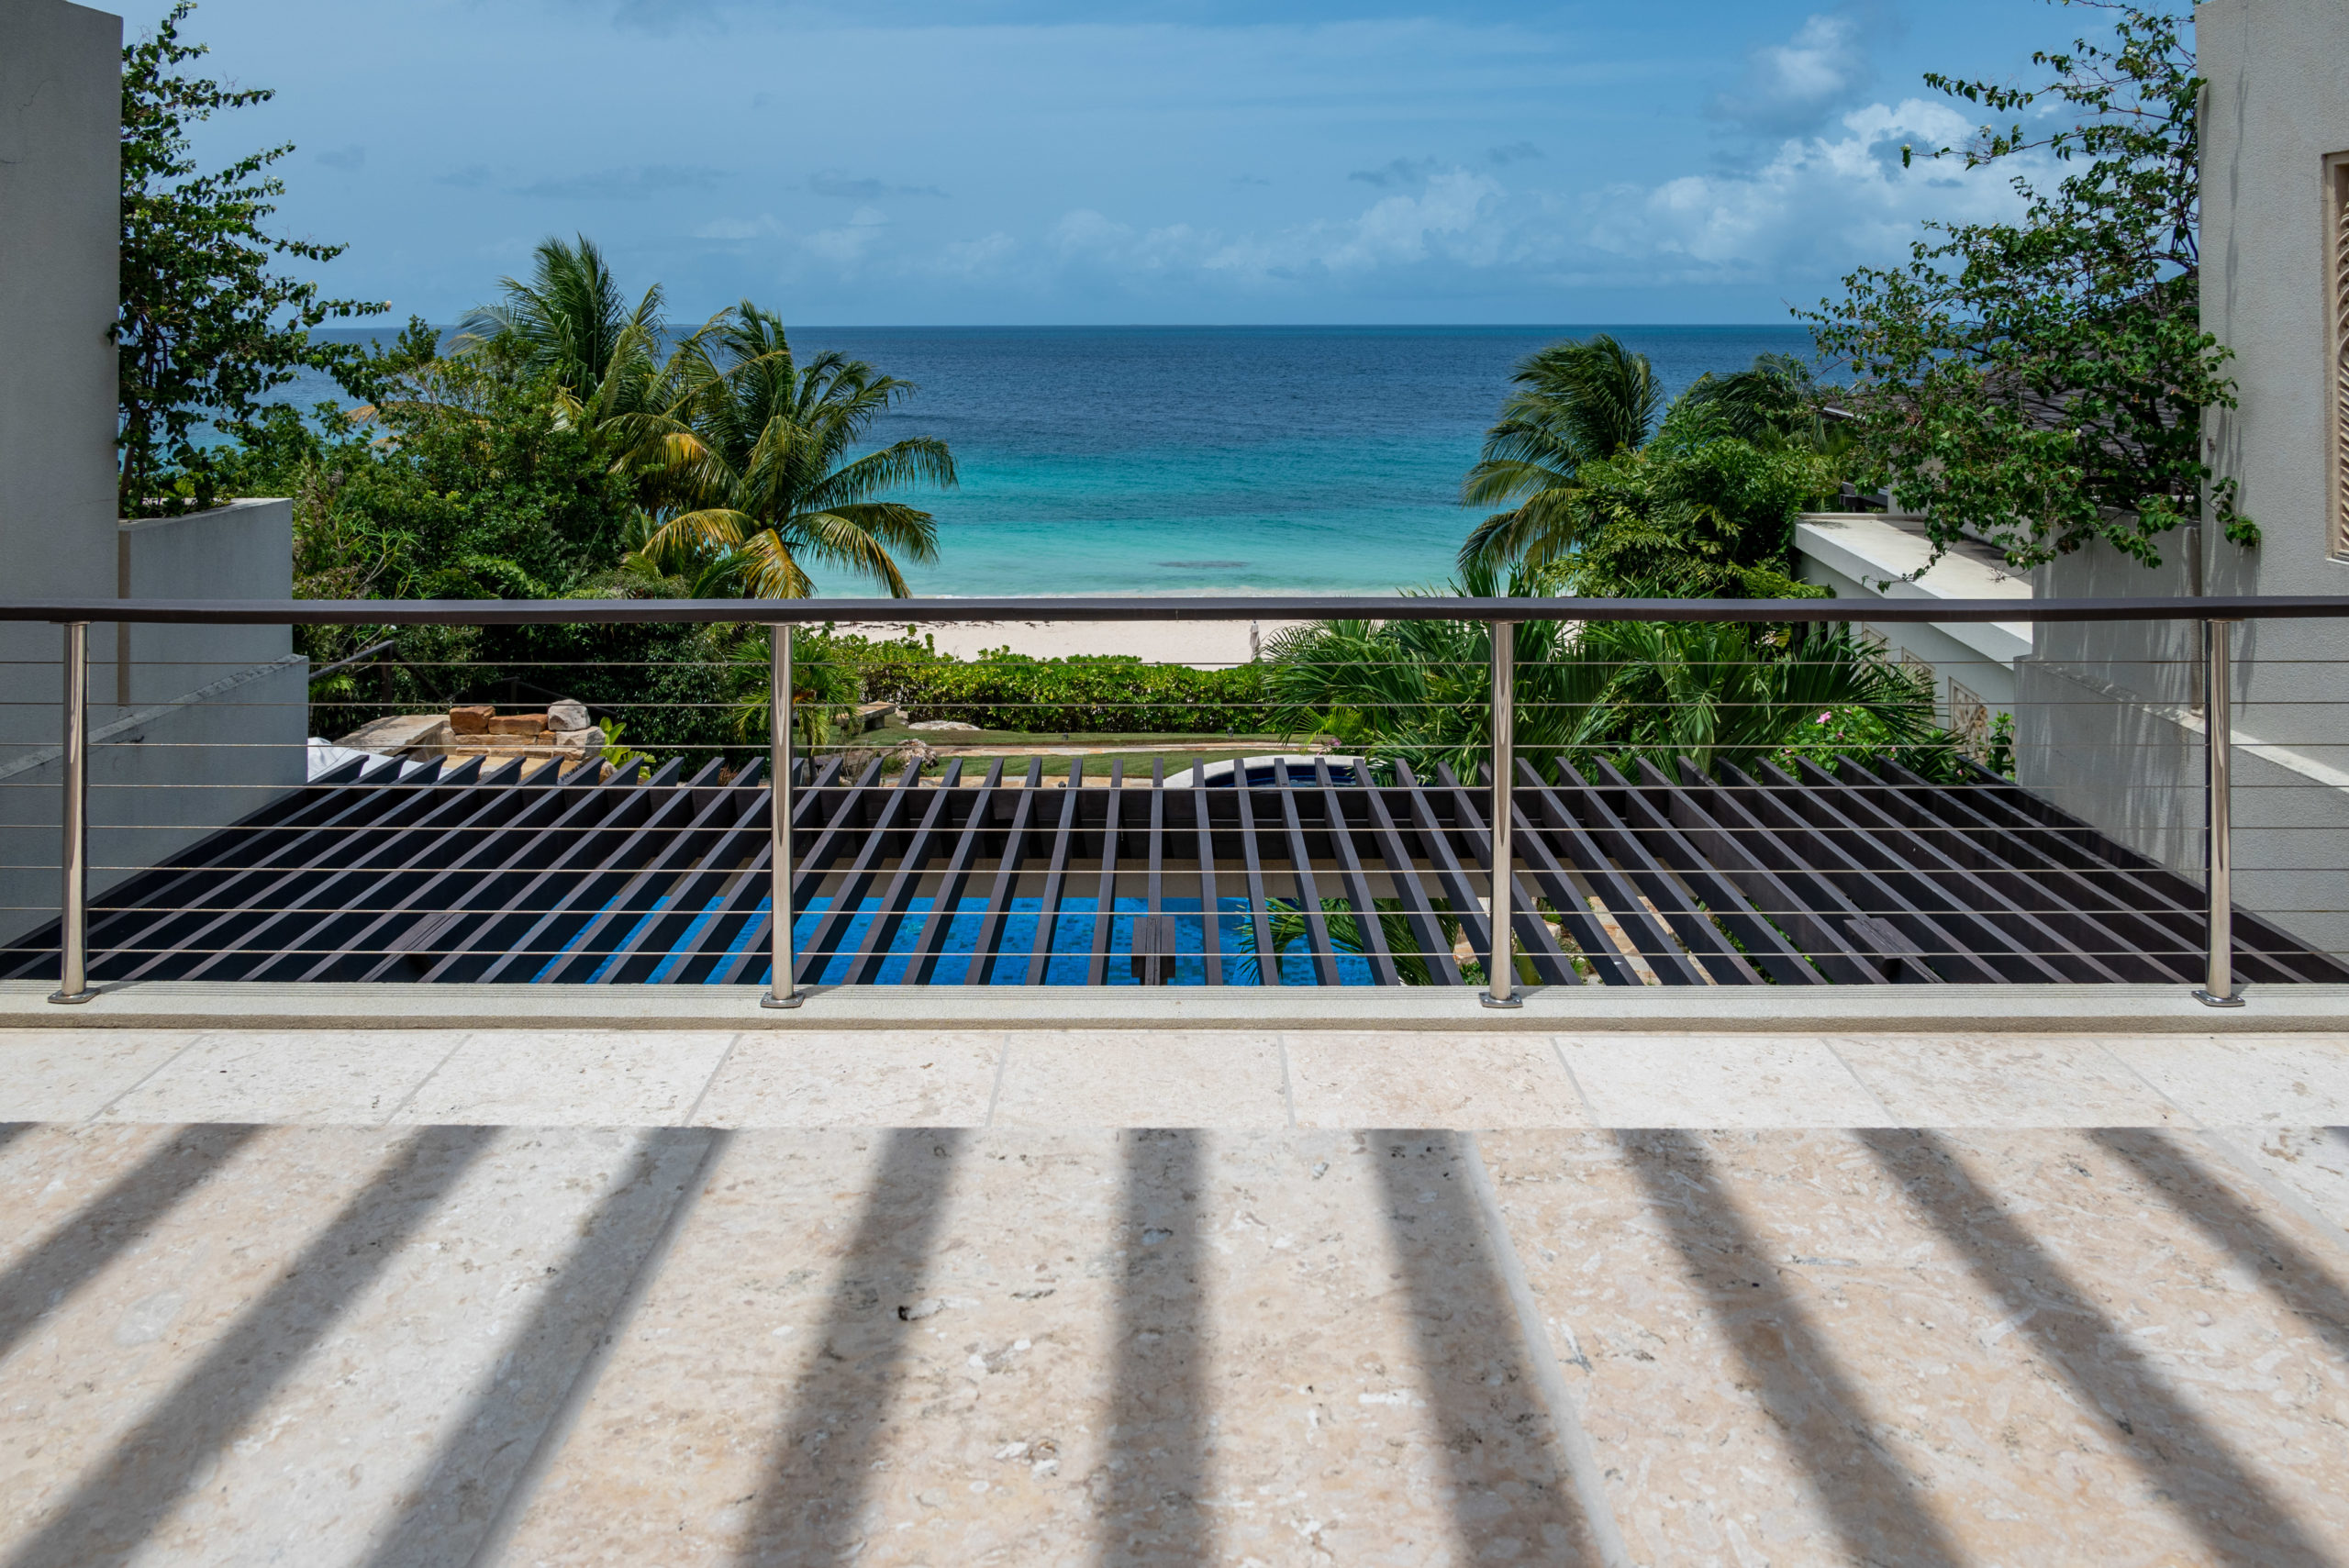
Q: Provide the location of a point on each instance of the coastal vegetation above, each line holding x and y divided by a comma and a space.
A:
208, 324
1415, 690
1616, 495
2036, 384
2039, 383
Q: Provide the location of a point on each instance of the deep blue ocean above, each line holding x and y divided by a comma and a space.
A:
1167, 460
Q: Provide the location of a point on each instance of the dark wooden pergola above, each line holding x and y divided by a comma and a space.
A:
1866, 876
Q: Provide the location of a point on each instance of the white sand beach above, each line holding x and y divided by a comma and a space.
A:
1200, 642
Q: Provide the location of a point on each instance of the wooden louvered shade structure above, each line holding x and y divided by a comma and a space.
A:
1864, 876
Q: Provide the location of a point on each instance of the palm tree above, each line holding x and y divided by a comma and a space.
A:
570, 321
753, 449
1417, 690
1778, 403
1580, 401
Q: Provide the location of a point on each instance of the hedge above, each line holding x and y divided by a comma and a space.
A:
1083, 693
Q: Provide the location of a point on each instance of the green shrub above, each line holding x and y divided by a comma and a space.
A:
1085, 694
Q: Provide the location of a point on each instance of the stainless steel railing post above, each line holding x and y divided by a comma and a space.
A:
783, 987
1500, 974
73, 901
2219, 856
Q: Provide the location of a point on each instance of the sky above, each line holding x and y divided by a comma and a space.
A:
923, 162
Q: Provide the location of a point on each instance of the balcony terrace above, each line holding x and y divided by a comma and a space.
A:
1171, 1296
1854, 1174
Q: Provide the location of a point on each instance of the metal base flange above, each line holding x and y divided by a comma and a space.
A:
791, 1001
2233, 999
1488, 1000
75, 998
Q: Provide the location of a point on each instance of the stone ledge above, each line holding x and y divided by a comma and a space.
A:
1937, 1009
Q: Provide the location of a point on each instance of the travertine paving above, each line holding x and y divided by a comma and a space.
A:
871, 1299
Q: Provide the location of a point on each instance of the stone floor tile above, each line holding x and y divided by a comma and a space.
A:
2003, 1081
587, 1078
2246, 1079
67, 1074
322, 1345
842, 1359
1718, 1081
1934, 1348
1140, 1078
854, 1078
2309, 1162
315, 1076
1430, 1080
1064, 1348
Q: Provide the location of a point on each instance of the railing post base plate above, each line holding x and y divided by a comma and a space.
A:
1489, 1000
781, 1001
2232, 999
74, 999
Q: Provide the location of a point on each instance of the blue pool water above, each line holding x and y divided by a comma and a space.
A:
1069, 955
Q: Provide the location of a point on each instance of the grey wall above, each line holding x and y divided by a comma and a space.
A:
216, 714
60, 114
241, 550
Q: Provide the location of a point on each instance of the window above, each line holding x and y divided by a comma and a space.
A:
1969, 720
2336, 237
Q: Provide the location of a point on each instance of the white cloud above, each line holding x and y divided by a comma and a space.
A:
1449, 216
982, 257
1795, 85
848, 243
1820, 202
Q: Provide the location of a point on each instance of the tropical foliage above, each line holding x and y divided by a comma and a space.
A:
1704, 507
1417, 690
2041, 383
756, 466
1090, 695
207, 325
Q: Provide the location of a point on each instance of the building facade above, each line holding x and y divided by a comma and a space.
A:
191, 727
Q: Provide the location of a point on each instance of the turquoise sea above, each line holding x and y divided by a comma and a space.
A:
1170, 459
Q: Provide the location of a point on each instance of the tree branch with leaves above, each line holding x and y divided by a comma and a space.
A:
2041, 383
207, 327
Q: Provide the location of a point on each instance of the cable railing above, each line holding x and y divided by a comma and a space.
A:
1490, 816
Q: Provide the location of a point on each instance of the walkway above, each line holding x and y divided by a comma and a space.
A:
410, 1297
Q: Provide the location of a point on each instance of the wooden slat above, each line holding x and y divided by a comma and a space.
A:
1871, 896
1366, 915
1210, 901
296, 893
256, 884
1321, 950
848, 893
1693, 928
1576, 849
1417, 905
947, 902
644, 871
2020, 947
1105, 900
1040, 955
1551, 881
1652, 830
1770, 874
1007, 881
1268, 963
1435, 847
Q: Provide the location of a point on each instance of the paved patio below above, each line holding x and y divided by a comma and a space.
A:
1149, 1297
